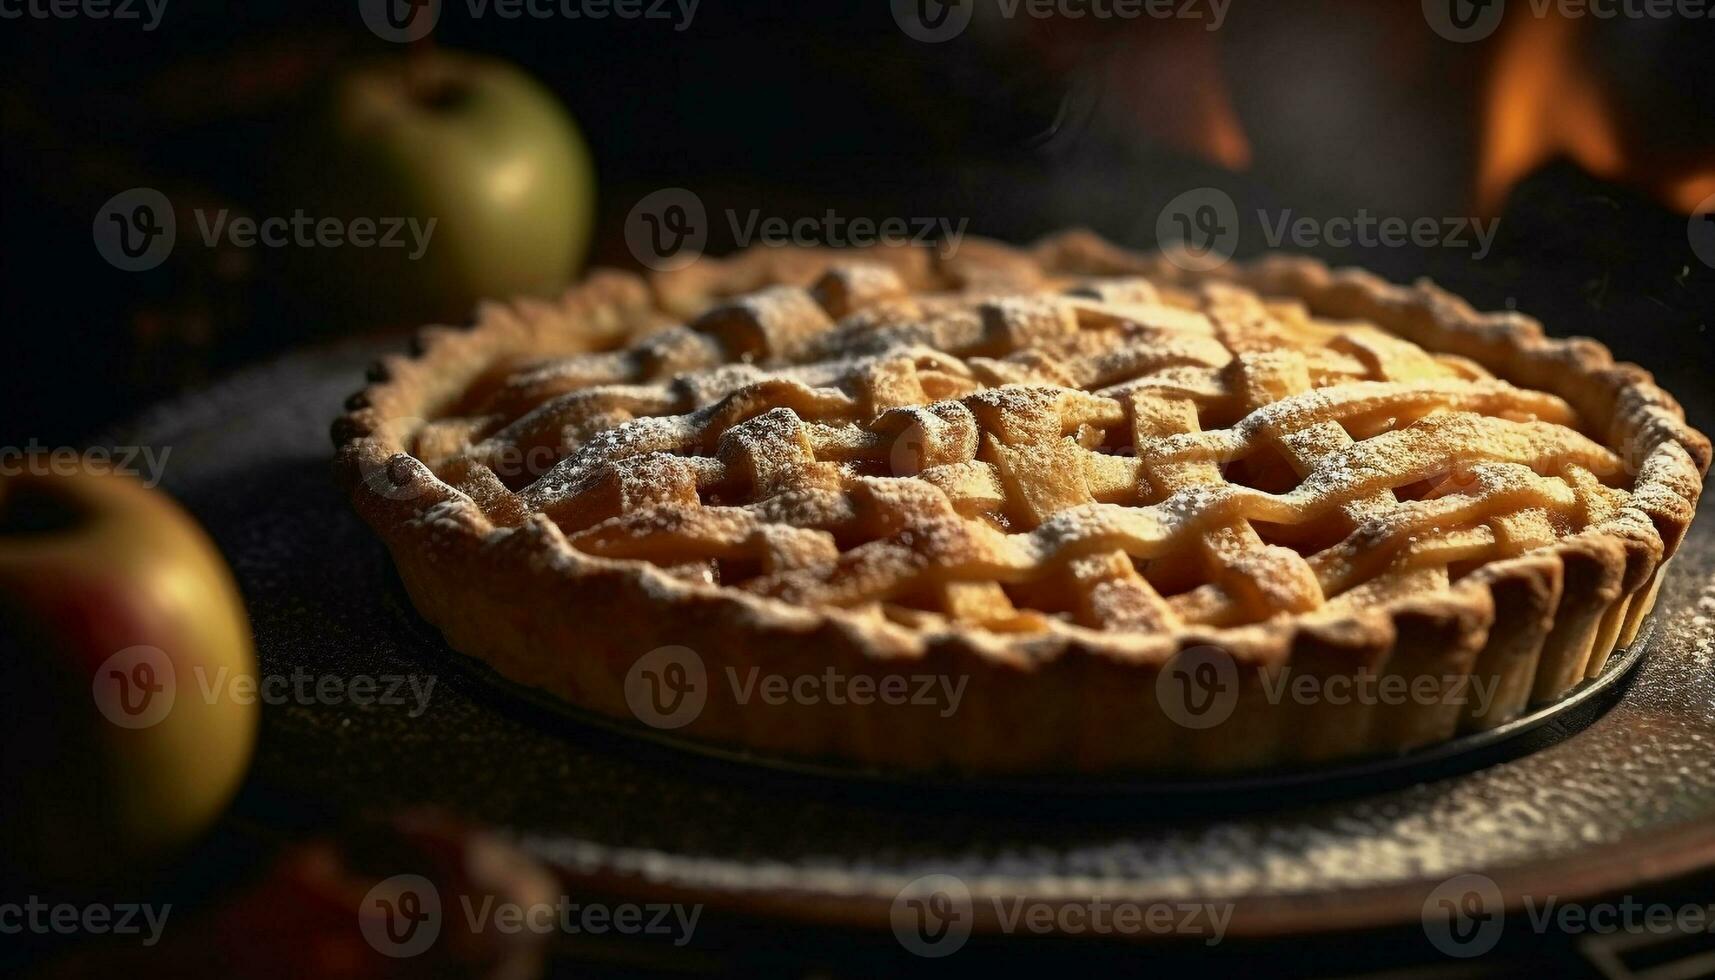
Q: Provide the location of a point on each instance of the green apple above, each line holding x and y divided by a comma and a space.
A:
490, 177
118, 618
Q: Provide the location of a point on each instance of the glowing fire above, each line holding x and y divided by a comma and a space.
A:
1183, 99
1167, 83
1542, 101
1540, 96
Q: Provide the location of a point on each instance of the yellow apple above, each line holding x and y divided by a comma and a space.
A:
121, 631
477, 168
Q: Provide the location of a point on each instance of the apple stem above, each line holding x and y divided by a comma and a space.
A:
419, 55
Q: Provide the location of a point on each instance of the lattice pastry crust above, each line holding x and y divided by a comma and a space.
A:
1052, 474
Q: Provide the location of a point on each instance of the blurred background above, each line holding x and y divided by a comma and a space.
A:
1553, 157
1591, 140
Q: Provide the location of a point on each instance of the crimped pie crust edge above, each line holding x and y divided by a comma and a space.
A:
1535, 625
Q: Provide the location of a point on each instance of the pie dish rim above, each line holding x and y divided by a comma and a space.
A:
1605, 575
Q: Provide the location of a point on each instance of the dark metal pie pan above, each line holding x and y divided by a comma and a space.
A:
1578, 707
1609, 789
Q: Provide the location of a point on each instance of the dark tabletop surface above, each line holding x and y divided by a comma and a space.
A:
1579, 809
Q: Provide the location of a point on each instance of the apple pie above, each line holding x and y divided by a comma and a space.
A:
1069, 482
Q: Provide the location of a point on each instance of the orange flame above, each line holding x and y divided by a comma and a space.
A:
1166, 80
1180, 95
1542, 101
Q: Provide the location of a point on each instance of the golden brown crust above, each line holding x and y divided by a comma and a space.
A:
547, 614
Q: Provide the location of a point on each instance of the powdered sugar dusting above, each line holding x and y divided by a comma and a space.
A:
1048, 427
